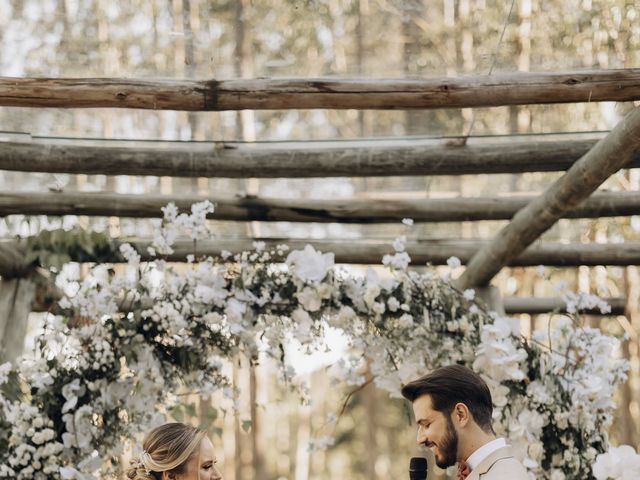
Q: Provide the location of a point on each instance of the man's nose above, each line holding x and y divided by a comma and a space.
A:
421, 438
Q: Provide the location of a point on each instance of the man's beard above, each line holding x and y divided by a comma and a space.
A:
449, 447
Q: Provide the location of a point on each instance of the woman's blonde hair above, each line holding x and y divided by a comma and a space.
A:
165, 449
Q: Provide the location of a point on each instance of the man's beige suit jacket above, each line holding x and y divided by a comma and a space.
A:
500, 465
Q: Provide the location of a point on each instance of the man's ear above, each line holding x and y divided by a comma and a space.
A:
461, 414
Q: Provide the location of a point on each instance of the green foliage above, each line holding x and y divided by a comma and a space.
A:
11, 389
208, 416
53, 248
183, 411
246, 425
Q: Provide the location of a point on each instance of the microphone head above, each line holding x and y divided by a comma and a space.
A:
418, 468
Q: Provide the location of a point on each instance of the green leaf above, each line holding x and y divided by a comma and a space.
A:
190, 409
211, 413
210, 416
178, 413
246, 425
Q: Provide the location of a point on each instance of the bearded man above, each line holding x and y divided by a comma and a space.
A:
453, 409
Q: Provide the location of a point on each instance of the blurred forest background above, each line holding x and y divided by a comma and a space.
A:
200, 39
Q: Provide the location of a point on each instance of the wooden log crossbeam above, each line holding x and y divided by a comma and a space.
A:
542, 305
260, 94
339, 159
370, 252
609, 155
436, 252
364, 211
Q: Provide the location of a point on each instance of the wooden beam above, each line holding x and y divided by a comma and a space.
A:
339, 159
437, 252
608, 156
370, 252
541, 305
270, 94
605, 204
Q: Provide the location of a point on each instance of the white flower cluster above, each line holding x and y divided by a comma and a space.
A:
499, 355
619, 463
35, 449
174, 224
577, 302
570, 377
129, 341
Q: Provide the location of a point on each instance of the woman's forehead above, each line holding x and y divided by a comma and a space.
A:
206, 450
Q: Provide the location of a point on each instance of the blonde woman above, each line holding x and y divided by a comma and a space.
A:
175, 451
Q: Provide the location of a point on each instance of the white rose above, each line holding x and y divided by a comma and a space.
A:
405, 321
379, 308
309, 299
324, 290
393, 304
235, 313
309, 264
370, 295
305, 322
344, 317
536, 451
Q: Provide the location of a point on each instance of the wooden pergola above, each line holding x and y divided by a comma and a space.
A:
586, 165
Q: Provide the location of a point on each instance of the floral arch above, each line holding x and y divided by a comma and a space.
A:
126, 339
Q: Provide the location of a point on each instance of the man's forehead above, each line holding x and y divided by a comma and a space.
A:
423, 407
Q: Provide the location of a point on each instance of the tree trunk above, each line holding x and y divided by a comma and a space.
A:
190, 73
257, 443
303, 457
415, 121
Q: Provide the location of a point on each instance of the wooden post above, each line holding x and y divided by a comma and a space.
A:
604, 159
492, 298
16, 297
12, 260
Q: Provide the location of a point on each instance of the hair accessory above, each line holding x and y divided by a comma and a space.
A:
144, 460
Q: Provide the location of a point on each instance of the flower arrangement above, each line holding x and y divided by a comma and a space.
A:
124, 342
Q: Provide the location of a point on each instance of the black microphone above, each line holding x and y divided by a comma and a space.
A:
418, 468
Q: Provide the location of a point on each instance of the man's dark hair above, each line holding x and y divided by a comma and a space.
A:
454, 384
